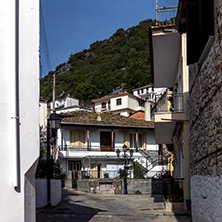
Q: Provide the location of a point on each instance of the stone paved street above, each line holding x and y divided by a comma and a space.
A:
78, 206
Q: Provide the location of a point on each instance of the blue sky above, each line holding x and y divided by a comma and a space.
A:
72, 25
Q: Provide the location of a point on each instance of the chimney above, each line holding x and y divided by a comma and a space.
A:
147, 111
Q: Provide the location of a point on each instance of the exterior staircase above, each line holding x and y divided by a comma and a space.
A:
154, 160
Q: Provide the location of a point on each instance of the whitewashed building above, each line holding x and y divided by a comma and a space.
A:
64, 102
19, 107
122, 103
88, 142
148, 92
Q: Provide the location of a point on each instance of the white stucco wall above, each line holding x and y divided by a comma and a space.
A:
133, 103
41, 191
124, 103
18, 195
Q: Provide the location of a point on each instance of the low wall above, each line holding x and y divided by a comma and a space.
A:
113, 186
100, 186
147, 186
41, 192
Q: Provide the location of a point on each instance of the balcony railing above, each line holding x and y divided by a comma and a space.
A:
166, 15
91, 148
168, 102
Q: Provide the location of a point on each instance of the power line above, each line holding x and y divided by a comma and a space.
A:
45, 62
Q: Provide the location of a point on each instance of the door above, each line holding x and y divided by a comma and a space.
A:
74, 167
95, 171
105, 141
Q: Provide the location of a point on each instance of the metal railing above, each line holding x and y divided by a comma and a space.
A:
95, 174
90, 148
166, 15
154, 160
168, 102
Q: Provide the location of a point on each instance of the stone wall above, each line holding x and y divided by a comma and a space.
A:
100, 186
206, 129
112, 186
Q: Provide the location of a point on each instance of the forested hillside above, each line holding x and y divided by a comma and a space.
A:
121, 60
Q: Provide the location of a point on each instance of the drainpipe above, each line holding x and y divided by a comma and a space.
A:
15, 101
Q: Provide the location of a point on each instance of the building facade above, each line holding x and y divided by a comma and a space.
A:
204, 39
122, 103
19, 106
88, 142
170, 114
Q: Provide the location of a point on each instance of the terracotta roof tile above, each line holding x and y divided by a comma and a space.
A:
138, 115
116, 95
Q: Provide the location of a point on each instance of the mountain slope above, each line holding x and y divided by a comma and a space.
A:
121, 60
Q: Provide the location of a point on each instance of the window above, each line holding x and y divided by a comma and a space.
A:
133, 140
200, 26
118, 102
77, 138
103, 105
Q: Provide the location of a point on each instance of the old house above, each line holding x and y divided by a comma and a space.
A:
88, 141
122, 103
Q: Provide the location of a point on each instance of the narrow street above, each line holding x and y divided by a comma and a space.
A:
78, 206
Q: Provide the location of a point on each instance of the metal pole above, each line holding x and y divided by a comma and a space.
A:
156, 13
48, 165
125, 177
53, 93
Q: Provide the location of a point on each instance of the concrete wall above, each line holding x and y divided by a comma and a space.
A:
41, 192
205, 130
19, 107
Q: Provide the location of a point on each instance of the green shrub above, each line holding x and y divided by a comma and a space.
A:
106, 175
137, 192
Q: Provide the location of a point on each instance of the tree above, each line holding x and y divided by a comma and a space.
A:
85, 92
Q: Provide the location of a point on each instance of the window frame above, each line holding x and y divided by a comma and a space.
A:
119, 101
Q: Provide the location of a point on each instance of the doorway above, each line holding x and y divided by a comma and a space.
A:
75, 168
105, 141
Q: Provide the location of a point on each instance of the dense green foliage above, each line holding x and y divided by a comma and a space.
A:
121, 60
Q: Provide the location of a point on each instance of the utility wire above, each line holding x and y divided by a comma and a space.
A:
44, 58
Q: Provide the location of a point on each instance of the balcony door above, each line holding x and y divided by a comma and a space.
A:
105, 141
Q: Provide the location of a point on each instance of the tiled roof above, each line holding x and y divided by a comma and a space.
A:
138, 115
116, 95
104, 118
109, 96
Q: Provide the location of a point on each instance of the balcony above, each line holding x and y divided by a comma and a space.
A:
169, 102
77, 151
168, 110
